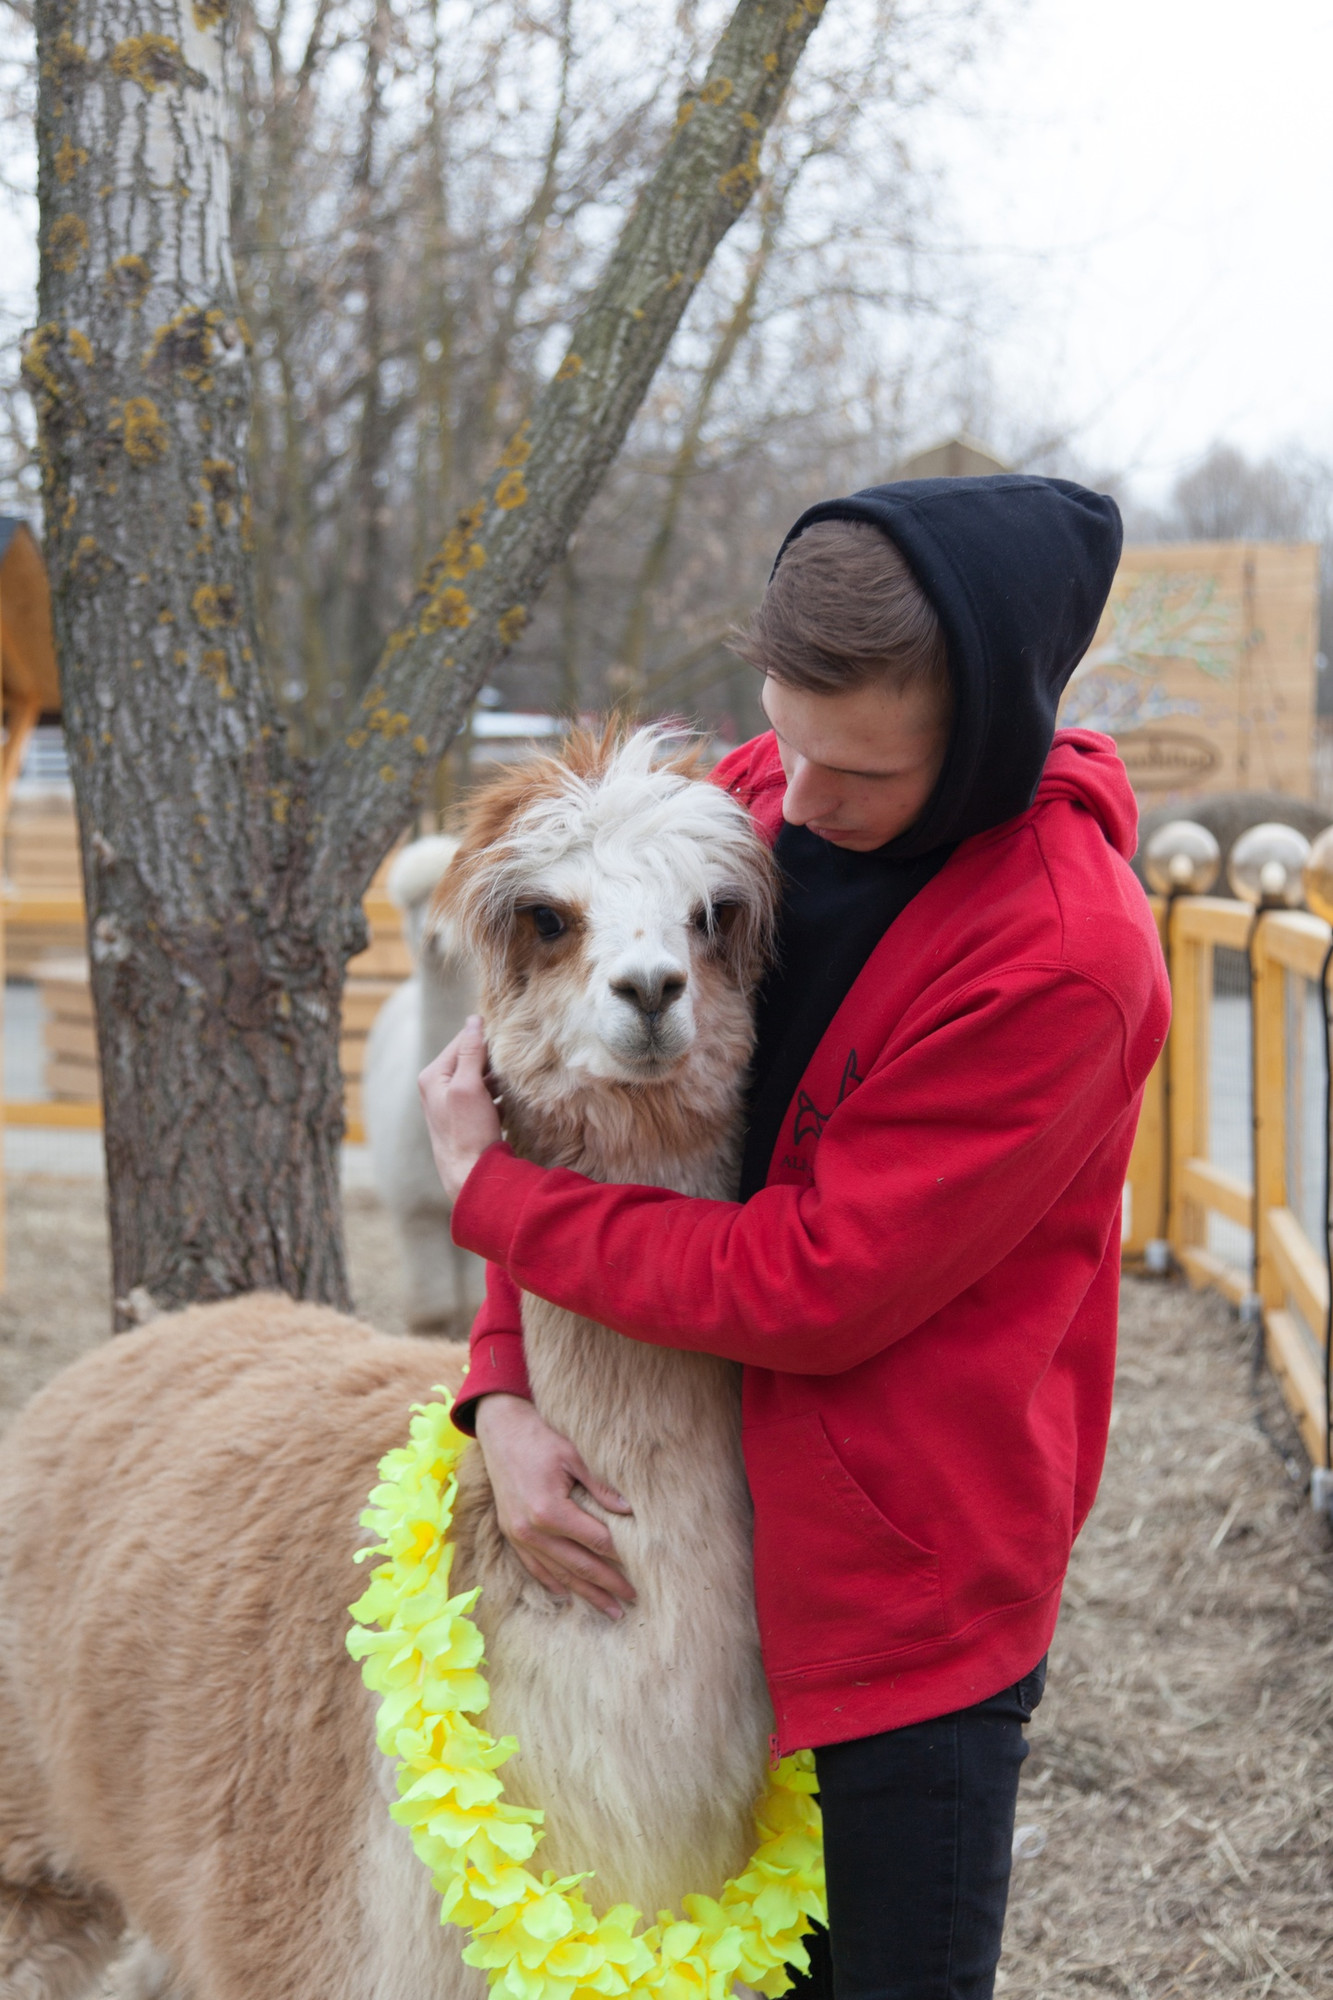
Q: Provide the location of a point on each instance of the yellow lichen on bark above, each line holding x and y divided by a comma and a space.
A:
145, 434
718, 91
518, 451
511, 492
738, 183
151, 61
69, 158
80, 346
458, 555
130, 278
571, 366
67, 242
510, 623
67, 56
208, 14
446, 610
214, 605
186, 344
385, 723
219, 476
213, 662
37, 358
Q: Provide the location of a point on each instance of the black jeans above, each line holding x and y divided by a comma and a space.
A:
918, 1834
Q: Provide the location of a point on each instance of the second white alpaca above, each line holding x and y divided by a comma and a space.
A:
444, 1284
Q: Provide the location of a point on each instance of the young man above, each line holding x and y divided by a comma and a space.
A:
920, 1276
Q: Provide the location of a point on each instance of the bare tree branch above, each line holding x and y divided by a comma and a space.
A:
475, 597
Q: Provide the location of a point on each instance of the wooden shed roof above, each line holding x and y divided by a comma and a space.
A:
27, 648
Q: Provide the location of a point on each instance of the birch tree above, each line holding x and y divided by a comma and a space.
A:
224, 870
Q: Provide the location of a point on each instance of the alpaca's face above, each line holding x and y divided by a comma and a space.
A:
619, 916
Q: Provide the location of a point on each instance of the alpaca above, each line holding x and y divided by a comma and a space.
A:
184, 1746
444, 1283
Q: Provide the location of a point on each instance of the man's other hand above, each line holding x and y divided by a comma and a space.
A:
461, 1117
533, 1473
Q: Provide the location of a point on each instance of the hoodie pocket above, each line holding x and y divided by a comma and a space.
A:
835, 1580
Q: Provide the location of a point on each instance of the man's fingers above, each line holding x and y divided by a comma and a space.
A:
544, 1575
605, 1496
564, 1517
465, 1053
471, 1046
562, 1586
606, 1588
571, 1558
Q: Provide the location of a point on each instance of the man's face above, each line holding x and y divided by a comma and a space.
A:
859, 766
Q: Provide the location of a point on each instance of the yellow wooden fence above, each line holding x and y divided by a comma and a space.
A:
1268, 1254
36, 911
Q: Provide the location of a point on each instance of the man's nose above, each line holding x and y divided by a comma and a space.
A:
806, 795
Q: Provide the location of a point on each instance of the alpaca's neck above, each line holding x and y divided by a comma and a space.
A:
665, 1135
638, 1413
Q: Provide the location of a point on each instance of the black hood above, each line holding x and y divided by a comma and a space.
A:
1018, 570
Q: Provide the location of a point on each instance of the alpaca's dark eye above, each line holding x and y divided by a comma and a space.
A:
547, 923
715, 919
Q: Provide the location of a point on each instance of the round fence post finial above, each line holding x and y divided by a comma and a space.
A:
1266, 864
1317, 876
1182, 858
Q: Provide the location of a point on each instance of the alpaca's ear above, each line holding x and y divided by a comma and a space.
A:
475, 896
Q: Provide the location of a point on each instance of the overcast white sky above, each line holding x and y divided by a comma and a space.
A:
1152, 185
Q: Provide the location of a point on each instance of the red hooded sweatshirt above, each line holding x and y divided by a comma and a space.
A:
924, 1294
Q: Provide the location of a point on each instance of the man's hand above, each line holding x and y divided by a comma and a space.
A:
533, 1471
461, 1117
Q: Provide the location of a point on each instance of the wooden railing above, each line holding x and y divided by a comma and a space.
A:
28, 910
1274, 1266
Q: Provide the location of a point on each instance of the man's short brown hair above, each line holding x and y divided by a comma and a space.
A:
843, 610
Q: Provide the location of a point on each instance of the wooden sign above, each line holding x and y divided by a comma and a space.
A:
1203, 669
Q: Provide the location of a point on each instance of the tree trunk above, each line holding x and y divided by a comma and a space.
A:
224, 874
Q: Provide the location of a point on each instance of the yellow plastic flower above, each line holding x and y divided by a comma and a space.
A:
537, 1937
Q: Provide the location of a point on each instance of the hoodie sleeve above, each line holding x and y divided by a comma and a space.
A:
927, 1176
495, 1350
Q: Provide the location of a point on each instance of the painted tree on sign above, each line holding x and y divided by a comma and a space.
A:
223, 871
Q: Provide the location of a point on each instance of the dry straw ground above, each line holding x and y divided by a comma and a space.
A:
1181, 1776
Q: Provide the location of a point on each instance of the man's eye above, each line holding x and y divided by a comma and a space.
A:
547, 923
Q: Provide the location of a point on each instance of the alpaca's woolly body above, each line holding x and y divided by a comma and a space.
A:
184, 1745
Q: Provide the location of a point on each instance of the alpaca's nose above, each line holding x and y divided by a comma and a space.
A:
651, 991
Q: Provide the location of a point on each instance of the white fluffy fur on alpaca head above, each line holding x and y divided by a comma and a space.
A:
618, 907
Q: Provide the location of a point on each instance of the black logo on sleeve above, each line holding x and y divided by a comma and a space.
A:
810, 1120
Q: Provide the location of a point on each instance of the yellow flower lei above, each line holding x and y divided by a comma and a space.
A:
537, 1937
